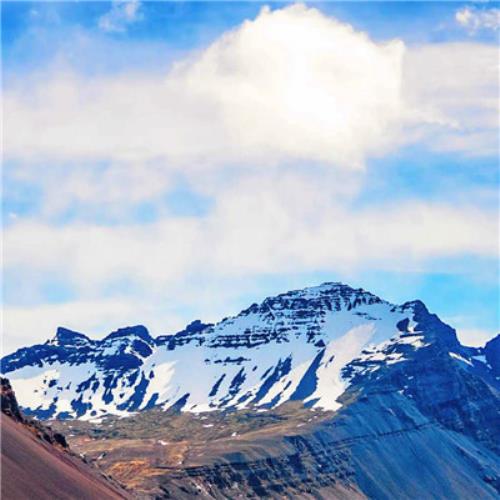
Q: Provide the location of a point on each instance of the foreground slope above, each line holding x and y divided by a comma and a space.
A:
36, 464
292, 347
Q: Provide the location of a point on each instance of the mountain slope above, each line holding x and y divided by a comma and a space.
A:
425, 427
36, 464
292, 347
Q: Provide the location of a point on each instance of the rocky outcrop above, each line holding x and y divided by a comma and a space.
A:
492, 354
8, 401
10, 409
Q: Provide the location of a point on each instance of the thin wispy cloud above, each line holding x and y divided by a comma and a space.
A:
261, 224
474, 19
122, 14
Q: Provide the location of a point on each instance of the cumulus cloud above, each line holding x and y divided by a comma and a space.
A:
474, 19
122, 14
292, 84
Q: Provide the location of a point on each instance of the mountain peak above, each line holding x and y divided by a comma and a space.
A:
331, 291
325, 287
415, 305
333, 284
66, 337
196, 326
130, 331
334, 288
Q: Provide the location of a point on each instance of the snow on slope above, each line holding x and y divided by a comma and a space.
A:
290, 347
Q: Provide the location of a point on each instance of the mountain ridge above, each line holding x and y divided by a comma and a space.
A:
295, 346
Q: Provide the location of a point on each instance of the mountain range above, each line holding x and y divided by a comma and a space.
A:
324, 392
306, 345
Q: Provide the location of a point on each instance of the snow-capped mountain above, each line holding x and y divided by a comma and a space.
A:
306, 345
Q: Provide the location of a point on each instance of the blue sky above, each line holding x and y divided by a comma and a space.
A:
171, 161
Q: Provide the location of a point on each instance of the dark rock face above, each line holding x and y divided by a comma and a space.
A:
492, 354
398, 452
452, 396
310, 469
194, 332
443, 379
65, 337
10, 408
8, 401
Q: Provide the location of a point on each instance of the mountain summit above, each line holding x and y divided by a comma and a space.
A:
306, 345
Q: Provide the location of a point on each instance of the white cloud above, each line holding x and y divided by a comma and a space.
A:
273, 224
261, 225
122, 14
457, 83
474, 19
291, 85
93, 189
